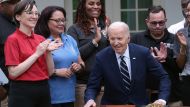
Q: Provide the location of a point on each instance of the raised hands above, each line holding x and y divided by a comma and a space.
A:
181, 39
98, 32
54, 45
47, 45
159, 54
107, 23
42, 47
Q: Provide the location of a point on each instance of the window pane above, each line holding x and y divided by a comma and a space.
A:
75, 3
74, 16
129, 18
127, 4
144, 3
141, 19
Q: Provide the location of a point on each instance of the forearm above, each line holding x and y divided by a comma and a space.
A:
50, 63
81, 62
15, 71
87, 50
181, 58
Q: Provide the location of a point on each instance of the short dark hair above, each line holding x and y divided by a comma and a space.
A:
22, 6
155, 9
42, 23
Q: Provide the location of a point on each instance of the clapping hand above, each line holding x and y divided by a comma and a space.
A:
42, 47
181, 39
98, 32
54, 45
159, 54
107, 23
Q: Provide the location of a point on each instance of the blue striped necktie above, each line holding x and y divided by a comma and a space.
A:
125, 74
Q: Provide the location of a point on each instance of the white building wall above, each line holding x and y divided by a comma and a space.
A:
173, 11
41, 4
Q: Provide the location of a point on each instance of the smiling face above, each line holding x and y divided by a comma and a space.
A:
187, 12
93, 8
119, 37
56, 23
28, 18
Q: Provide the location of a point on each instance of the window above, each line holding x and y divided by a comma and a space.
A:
75, 3
133, 12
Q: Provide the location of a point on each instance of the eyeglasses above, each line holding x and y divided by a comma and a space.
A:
59, 21
161, 23
32, 13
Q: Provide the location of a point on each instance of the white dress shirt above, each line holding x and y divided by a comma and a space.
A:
126, 59
176, 27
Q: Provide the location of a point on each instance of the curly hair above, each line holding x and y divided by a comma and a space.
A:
82, 18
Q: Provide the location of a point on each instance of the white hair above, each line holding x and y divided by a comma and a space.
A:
119, 25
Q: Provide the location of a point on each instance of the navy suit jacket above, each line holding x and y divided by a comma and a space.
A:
106, 68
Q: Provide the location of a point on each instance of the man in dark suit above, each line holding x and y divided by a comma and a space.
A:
108, 67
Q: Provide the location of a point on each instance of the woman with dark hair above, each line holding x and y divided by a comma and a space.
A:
89, 31
66, 58
29, 60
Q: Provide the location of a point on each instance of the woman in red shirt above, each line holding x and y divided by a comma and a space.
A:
29, 60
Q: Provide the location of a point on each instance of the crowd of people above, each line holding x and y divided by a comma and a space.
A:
95, 62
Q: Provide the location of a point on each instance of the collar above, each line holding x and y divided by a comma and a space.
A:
63, 36
126, 53
148, 35
20, 33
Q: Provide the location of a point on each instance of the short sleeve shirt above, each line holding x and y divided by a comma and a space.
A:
18, 48
63, 89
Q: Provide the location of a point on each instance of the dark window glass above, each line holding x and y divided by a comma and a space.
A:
127, 4
144, 3
141, 19
129, 18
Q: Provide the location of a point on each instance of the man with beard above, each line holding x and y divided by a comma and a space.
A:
160, 42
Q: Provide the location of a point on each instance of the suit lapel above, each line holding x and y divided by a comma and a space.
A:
133, 59
114, 64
